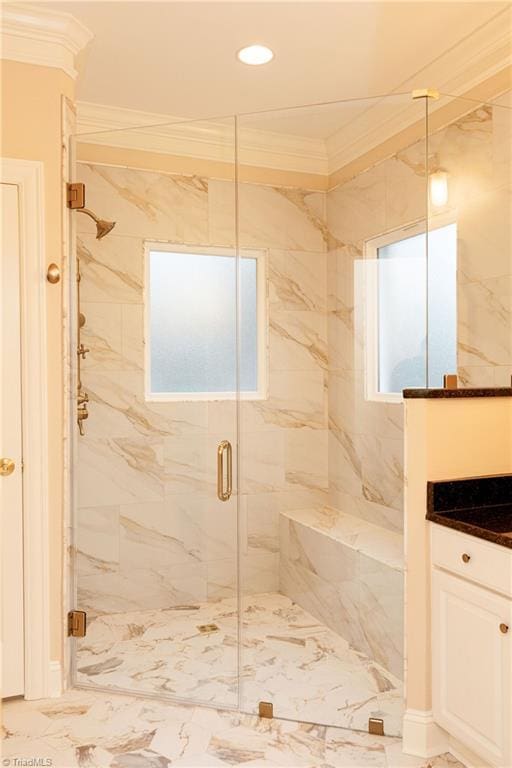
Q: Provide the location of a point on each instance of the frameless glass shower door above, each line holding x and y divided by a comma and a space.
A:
156, 376
341, 224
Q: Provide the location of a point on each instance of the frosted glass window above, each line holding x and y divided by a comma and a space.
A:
193, 322
404, 287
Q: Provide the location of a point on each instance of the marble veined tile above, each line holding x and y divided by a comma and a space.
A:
109, 730
132, 335
298, 340
348, 574
262, 462
97, 539
382, 469
288, 657
485, 322
262, 522
372, 540
120, 470
146, 204
406, 193
187, 465
155, 533
148, 587
305, 458
381, 613
297, 280
118, 408
484, 237
102, 335
356, 210
111, 269
269, 217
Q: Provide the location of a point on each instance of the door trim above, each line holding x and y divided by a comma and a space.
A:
27, 175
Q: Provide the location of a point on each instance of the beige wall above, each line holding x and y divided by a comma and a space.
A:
444, 439
31, 130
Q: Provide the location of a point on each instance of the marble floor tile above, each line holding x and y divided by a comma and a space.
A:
288, 657
99, 730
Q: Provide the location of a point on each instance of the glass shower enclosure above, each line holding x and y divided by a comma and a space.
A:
272, 282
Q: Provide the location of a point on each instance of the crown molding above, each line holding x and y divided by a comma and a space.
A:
32, 35
202, 139
475, 59
472, 61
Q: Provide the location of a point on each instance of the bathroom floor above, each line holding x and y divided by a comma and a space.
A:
306, 670
84, 729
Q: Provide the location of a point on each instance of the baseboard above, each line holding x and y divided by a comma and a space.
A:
54, 680
422, 737
465, 755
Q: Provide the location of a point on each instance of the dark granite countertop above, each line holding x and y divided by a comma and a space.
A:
419, 394
478, 506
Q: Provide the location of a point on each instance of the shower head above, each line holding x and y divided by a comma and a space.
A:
103, 227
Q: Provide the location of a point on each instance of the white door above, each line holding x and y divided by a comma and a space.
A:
11, 497
471, 665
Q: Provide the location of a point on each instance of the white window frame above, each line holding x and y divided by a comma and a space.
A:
371, 300
261, 318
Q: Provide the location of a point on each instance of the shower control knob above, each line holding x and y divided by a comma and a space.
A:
82, 351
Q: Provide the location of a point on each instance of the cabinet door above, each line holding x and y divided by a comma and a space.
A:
471, 666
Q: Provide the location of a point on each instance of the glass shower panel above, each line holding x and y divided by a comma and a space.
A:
332, 197
155, 530
470, 185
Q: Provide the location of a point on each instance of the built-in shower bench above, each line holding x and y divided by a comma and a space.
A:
348, 573
378, 543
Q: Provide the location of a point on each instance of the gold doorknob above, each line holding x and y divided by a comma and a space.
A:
466, 558
504, 628
53, 274
7, 467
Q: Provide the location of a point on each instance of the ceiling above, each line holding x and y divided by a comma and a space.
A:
178, 58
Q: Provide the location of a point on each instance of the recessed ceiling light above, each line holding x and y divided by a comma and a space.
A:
255, 55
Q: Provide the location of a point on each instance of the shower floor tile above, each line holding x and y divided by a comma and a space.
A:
306, 670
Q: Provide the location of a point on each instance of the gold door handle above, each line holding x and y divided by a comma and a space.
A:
7, 467
504, 628
224, 447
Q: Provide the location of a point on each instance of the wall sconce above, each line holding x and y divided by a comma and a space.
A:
438, 187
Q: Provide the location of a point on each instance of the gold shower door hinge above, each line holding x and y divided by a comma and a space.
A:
75, 194
77, 623
376, 726
266, 709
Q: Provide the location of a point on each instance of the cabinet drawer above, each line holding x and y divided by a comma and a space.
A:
481, 561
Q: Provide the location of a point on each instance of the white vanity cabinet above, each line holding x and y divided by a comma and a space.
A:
472, 642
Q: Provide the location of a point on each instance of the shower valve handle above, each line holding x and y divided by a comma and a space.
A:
82, 414
82, 351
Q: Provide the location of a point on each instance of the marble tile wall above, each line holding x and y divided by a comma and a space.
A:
151, 533
365, 438
358, 596
476, 153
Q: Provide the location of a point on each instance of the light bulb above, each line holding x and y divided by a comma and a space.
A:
255, 55
438, 183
